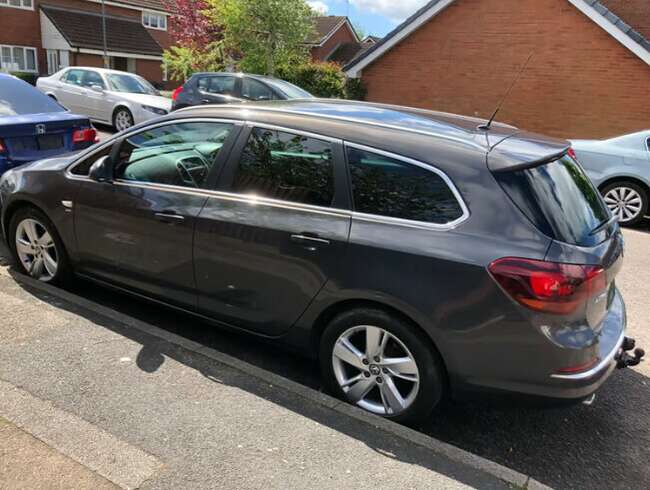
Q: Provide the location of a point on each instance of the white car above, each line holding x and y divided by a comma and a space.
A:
112, 97
620, 168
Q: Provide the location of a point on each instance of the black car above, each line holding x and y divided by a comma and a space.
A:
417, 254
225, 88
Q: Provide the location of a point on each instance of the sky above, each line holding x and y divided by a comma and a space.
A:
376, 17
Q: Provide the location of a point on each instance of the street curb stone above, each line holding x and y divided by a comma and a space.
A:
453, 453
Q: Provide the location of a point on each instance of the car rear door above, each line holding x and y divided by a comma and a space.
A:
217, 89
277, 228
137, 229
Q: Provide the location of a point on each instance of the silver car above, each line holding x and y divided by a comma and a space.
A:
620, 168
112, 97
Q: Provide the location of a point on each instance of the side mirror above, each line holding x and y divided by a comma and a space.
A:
100, 171
97, 88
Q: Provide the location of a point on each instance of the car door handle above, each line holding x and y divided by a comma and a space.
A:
309, 239
169, 217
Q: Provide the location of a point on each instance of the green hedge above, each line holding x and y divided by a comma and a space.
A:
325, 80
28, 77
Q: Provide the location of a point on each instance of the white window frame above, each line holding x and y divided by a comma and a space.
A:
25, 49
5, 3
146, 15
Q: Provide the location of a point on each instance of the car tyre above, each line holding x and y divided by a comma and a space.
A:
384, 374
627, 200
122, 119
37, 248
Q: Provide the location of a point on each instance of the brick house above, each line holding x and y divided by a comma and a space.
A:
42, 36
588, 78
334, 39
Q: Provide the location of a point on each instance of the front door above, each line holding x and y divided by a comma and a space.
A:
137, 230
265, 247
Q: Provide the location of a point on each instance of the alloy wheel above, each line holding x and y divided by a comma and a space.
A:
375, 370
123, 120
36, 250
624, 202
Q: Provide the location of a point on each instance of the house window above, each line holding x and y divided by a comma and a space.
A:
153, 21
17, 58
18, 4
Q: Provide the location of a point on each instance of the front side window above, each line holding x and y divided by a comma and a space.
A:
390, 187
179, 154
131, 84
222, 85
286, 166
255, 90
92, 78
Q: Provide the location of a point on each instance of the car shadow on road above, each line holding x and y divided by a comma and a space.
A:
155, 351
598, 446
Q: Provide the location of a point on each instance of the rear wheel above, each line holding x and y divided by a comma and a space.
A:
122, 119
36, 246
380, 363
626, 200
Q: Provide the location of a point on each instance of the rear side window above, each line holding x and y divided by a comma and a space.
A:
389, 187
19, 98
559, 199
286, 166
221, 85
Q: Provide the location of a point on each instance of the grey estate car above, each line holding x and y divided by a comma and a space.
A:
416, 254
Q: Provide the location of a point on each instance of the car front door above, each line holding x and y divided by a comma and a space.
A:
277, 228
136, 229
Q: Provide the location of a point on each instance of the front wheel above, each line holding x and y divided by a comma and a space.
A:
626, 200
382, 364
36, 246
123, 119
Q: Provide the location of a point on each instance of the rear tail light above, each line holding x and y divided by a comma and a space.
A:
585, 366
548, 287
3, 148
88, 135
176, 93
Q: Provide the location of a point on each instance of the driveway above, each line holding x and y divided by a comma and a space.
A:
600, 446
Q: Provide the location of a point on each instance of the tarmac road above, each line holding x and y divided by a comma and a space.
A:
600, 446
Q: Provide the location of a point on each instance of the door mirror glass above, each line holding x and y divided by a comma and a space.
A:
100, 170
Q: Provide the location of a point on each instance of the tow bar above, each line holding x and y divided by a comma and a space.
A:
623, 359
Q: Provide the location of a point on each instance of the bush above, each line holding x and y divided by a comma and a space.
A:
27, 77
355, 89
325, 80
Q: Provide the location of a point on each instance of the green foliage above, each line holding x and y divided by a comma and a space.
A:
183, 61
27, 77
323, 80
267, 34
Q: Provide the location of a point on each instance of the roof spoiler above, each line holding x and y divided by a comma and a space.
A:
525, 150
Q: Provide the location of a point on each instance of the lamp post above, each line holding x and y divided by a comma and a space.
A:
106, 63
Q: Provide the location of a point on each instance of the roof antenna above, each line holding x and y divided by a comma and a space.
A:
488, 126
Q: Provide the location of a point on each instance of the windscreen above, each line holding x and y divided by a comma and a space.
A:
130, 84
559, 199
18, 98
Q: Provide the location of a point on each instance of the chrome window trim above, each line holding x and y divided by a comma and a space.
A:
607, 360
407, 222
352, 120
229, 196
110, 141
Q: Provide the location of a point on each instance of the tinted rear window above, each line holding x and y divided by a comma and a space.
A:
559, 199
18, 98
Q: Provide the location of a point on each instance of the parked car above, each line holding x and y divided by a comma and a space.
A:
373, 237
620, 167
226, 88
111, 97
33, 126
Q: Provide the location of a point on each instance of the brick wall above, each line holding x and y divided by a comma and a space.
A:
581, 82
343, 35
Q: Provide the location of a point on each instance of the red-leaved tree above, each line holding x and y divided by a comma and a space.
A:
188, 26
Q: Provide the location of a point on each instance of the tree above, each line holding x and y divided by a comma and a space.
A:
266, 33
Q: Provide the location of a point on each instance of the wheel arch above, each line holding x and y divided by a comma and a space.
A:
626, 178
118, 106
12, 208
331, 311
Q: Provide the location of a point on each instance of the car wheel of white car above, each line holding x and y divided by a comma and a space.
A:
123, 119
626, 200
